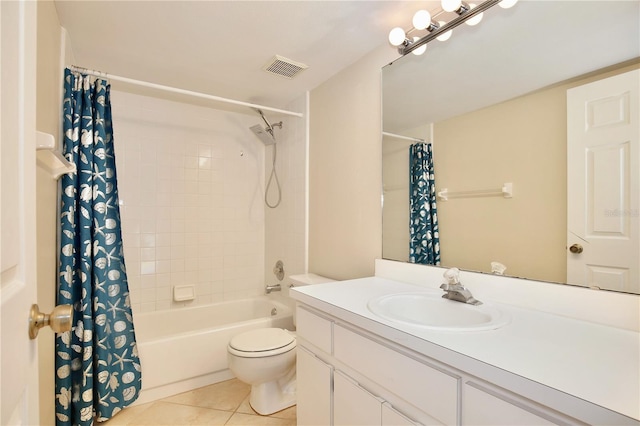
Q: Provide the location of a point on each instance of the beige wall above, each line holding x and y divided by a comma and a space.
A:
525, 146
345, 170
521, 141
48, 116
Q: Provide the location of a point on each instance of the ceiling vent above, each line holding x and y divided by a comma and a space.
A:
284, 67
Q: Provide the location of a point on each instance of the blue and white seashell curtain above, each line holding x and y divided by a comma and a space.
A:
97, 366
424, 243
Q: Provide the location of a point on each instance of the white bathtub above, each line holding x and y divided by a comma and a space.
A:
183, 349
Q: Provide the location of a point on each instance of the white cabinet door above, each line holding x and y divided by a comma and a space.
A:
390, 417
313, 389
432, 391
353, 405
487, 408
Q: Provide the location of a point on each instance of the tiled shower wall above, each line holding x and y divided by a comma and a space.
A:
191, 184
286, 225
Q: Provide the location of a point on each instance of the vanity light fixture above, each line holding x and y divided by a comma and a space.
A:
452, 6
397, 36
445, 36
420, 50
506, 4
469, 13
476, 19
422, 21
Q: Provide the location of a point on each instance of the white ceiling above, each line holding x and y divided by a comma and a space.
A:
220, 47
512, 52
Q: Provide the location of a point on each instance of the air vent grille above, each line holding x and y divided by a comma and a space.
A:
284, 67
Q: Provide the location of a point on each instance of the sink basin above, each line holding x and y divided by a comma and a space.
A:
431, 311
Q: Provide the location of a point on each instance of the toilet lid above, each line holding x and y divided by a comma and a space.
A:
263, 340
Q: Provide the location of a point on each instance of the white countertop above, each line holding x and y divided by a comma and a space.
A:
594, 362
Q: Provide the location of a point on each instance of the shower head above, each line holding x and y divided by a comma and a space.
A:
266, 122
268, 137
265, 135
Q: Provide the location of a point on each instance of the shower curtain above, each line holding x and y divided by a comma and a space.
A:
97, 364
424, 243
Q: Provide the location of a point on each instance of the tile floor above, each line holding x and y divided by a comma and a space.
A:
224, 403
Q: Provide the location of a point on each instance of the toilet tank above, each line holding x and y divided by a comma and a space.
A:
306, 279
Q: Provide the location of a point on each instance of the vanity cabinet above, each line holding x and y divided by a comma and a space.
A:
435, 392
486, 406
350, 376
333, 356
354, 405
314, 382
390, 416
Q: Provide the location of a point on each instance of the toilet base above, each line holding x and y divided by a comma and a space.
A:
271, 397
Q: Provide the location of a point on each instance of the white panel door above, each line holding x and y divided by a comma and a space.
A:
603, 175
18, 365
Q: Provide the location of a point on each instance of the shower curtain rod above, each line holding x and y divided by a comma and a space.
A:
407, 138
181, 91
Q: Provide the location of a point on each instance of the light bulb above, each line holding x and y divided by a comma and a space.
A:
476, 19
451, 5
421, 20
397, 36
506, 4
445, 36
420, 50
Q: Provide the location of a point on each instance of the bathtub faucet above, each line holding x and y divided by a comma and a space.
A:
271, 288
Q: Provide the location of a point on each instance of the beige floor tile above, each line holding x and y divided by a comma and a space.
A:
125, 416
253, 420
290, 413
245, 407
166, 413
287, 413
210, 405
227, 395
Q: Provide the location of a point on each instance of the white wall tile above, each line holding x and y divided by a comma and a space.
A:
191, 181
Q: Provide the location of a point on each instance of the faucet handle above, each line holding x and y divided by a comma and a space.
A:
451, 276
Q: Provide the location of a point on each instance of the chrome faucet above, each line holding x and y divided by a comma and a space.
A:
456, 291
271, 288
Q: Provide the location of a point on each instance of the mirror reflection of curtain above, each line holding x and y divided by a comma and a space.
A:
424, 243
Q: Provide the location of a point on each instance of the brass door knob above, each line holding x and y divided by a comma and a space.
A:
60, 319
575, 248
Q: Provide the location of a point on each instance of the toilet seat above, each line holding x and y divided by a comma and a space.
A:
261, 343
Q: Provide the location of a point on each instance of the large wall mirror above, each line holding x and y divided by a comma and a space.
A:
492, 100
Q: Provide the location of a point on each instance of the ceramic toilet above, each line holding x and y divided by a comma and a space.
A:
265, 358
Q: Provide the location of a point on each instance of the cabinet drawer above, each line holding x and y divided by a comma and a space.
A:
486, 405
314, 329
425, 387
